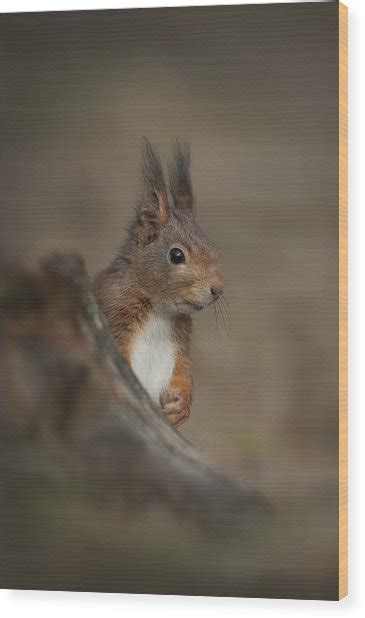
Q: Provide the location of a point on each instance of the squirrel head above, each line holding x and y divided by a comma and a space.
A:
174, 263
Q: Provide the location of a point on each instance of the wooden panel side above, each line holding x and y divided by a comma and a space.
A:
343, 299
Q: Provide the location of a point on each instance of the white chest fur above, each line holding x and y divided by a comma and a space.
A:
153, 355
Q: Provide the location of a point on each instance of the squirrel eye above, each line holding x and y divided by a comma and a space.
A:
177, 256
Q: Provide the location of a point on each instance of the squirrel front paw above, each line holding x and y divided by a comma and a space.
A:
175, 404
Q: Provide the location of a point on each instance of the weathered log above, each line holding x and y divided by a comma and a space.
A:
58, 329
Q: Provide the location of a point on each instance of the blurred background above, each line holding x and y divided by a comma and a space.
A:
254, 90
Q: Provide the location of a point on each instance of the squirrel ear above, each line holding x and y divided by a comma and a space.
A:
180, 180
153, 208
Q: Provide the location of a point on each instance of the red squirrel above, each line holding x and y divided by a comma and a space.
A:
165, 270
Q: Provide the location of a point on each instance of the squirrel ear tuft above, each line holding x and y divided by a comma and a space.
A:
153, 209
180, 179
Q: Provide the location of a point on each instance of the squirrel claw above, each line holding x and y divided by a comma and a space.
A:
176, 407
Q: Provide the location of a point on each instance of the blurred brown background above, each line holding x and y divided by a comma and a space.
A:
254, 91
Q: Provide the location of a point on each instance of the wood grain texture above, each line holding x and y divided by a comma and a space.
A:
343, 299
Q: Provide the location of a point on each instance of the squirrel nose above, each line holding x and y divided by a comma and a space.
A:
216, 291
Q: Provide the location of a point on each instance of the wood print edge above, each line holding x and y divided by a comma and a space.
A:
343, 299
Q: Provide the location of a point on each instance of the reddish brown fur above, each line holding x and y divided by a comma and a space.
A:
176, 400
142, 279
